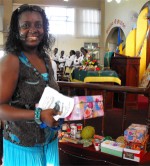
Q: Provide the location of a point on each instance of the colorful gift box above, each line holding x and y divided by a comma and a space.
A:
138, 146
133, 155
112, 147
86, 107
135, 133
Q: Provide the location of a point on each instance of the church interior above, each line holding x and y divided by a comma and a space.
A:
119, 72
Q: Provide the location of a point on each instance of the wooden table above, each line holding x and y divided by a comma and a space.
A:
75, 154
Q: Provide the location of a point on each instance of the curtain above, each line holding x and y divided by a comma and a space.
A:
88, 22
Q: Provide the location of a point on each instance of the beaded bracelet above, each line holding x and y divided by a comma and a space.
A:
37, 115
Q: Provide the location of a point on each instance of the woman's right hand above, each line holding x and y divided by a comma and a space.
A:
47, 117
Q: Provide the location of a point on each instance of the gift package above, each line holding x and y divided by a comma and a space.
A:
134, 155
136, 139
136, 133
86, 107
133, 144
112, 147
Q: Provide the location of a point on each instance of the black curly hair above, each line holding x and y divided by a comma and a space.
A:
13, 41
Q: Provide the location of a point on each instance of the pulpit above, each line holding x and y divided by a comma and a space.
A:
127, 69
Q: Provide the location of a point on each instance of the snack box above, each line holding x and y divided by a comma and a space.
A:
112, 147
136, 133
133, 155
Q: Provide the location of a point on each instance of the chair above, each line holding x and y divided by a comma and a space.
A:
60, 75
63, 75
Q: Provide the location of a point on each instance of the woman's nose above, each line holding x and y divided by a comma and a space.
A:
32, 29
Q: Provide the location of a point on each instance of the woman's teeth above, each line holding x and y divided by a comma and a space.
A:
32, 38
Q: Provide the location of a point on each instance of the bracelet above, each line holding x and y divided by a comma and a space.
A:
37, 115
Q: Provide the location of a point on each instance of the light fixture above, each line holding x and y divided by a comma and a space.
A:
118, 1
66, 0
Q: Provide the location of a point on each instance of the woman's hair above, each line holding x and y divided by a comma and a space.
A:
13, 43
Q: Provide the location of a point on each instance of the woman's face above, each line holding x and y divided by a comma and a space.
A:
31, 28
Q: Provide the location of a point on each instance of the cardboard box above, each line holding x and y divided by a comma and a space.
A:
133, 155
112, 147
136, 133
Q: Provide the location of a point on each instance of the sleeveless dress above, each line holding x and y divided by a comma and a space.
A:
25, 143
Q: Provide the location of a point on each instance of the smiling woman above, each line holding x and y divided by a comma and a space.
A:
25, 72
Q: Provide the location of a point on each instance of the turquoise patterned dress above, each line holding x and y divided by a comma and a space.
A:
25, 142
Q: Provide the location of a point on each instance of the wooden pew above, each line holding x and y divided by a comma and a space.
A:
71, 154
88, 87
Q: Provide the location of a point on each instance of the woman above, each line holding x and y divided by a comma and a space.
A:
61, 60
55, 55
70, 58
77, 59
25, 71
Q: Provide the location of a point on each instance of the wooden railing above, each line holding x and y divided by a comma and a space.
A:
87, 87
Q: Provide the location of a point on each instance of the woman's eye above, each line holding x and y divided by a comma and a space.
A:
39, 25
24, 26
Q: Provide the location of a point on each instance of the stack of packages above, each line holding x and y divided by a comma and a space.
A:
136, 139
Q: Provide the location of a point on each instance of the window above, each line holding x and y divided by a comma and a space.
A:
91, 45
61, 20
88, 23
80, 22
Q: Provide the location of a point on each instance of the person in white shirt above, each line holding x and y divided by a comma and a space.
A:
77, 59
61, 60
70, 59
55, 55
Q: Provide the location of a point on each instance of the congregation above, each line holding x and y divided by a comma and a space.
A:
64, 62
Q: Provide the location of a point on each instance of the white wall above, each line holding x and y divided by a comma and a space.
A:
1, 25
1, 17
67, 43
1, 38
